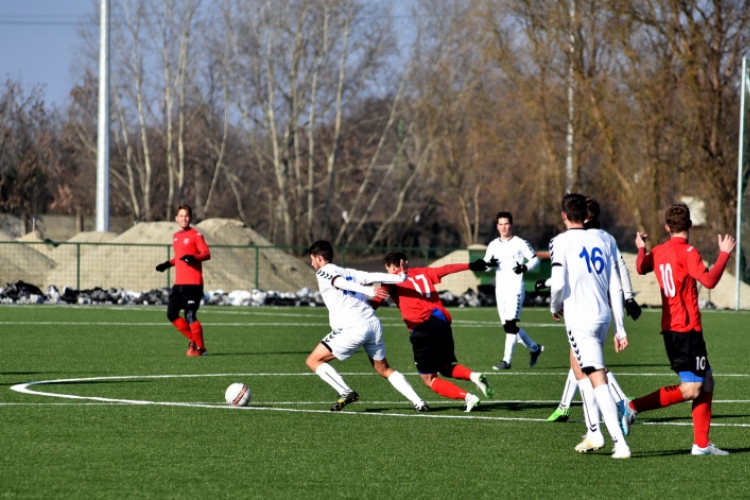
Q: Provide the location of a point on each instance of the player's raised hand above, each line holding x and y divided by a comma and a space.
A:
620, 342
640, 239
381, 292
726, 244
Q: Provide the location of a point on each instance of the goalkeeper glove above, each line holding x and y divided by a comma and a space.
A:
493, 262
633, 309
520, 268
188, 258
540, 285
478, 265
163, 266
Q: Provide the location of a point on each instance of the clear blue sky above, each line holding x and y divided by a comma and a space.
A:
38, 41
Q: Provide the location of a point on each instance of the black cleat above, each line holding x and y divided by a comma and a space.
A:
423, 408
502, 365
535, 355
345, 399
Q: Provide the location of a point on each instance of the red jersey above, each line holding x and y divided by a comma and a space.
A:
679, 267
416, 297
189, 242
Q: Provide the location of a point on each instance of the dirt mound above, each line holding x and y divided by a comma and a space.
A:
128, 260
24, 262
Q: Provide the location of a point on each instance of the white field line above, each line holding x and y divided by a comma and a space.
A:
25, 389
323, 324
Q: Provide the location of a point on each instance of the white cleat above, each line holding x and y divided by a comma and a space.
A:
627, 416
590, 442
711, 449
471, 402
622, 450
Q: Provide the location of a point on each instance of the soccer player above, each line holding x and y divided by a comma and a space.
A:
353, 324
678, 267
429, 325
190, 251
513, 256
577, 378
584, 280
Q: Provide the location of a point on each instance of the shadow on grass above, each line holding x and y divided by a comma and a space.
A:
681, 451
295, 353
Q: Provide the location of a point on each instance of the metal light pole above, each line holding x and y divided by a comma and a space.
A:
102, 146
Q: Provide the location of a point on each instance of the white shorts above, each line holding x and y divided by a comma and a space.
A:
509, 305
587, 342
343, 343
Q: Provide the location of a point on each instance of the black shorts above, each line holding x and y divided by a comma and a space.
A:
686, 351
432, 343
187, 297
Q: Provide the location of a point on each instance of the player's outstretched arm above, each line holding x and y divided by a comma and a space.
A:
351, 286
164, 266
711, 278
384, 278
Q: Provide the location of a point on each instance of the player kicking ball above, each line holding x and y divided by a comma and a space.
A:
353, 324
584, 280
679, 267
429, 325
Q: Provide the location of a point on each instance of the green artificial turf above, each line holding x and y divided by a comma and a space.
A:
131, 434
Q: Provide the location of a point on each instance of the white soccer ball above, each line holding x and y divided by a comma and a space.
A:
238, 394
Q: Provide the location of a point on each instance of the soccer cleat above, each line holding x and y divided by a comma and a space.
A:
559, 415
502, 365
590, 442
422, 407
484, 385
627, 416
535, 355
622, 450
345, 399
201, 351
711, 449
191, 348
471, 402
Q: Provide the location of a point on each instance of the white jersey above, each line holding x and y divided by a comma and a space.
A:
583, 275
622, 270
345, 308
509, 254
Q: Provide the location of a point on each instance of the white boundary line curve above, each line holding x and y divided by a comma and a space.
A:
24, 388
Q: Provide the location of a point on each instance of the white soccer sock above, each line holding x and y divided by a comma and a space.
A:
614, 388
590, 406
331, 377
523, 338
609, 412
569, 392
510, 345
399, 382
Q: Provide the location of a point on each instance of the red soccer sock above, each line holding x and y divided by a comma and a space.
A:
197, 331
447, 389
702, 418
659, 399
460, 372
183, 327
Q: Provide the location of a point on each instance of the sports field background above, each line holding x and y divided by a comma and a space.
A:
151, 422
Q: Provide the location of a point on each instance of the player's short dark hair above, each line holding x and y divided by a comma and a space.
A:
185, 207
394, 259
592, 214
323, 249
504, 215
678, 218
574, 207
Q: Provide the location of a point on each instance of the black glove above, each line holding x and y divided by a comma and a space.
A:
188, 258
493, 262
163, 266
478, 265
633, 309
520, 268
540, 285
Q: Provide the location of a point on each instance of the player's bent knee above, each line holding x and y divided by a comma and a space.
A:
173, 315
511, 327
446, 371
190, 317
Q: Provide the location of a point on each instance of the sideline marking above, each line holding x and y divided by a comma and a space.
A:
24, 388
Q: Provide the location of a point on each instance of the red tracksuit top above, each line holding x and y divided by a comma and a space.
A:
189, 242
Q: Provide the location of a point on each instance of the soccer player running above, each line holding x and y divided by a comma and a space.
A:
429, 325
190, 251
678, 267
353, 324
576, 378
512, 257
584, 279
